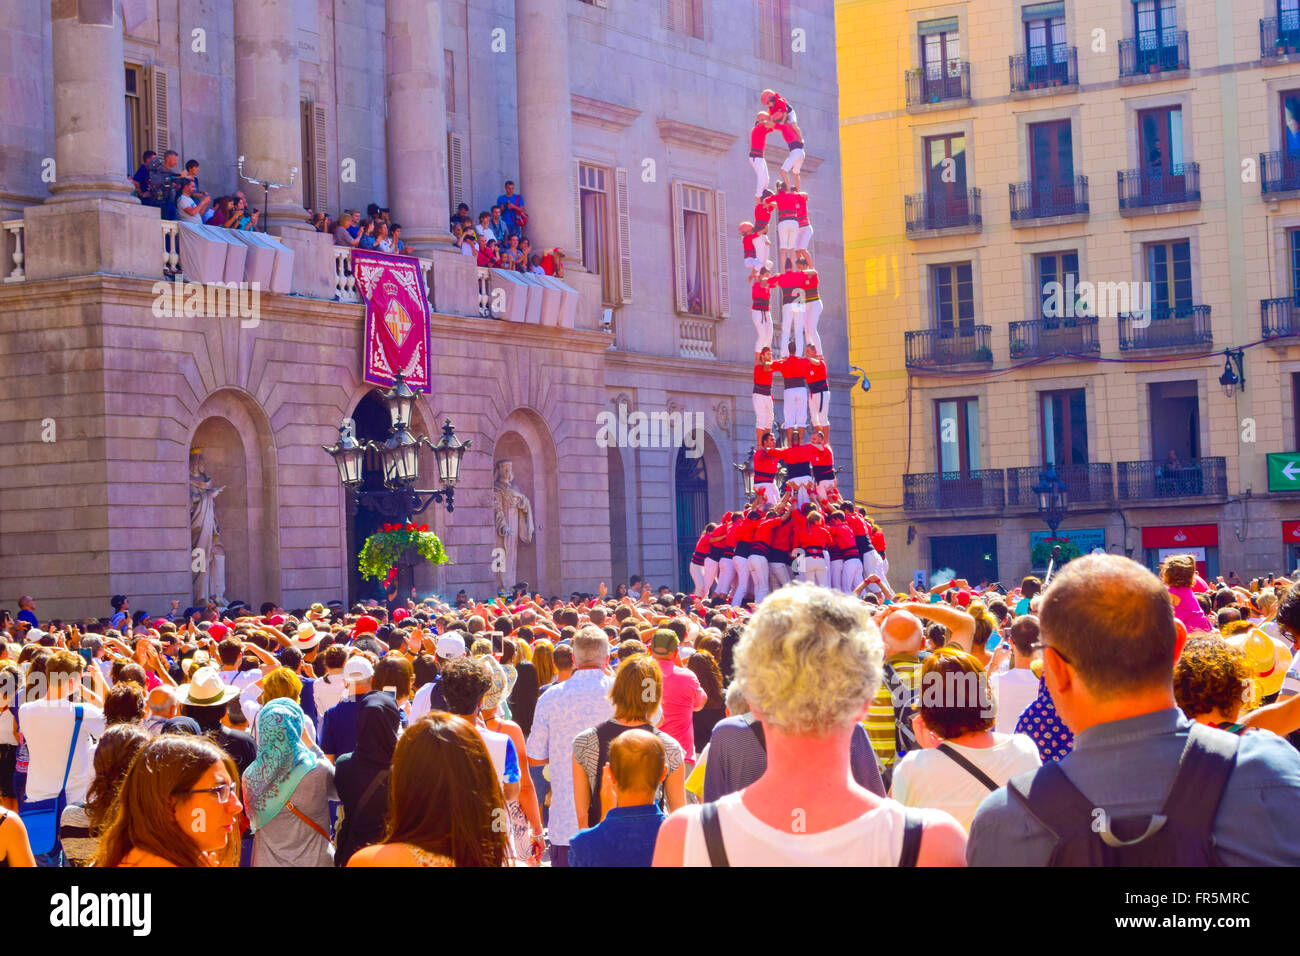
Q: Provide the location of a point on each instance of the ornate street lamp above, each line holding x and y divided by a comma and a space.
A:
747, 473
1053, 497
1231, 379
348, 456
447, 453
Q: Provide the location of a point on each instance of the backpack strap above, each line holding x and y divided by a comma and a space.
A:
969, 767
72, 749
1051, 799
1203, 771
713, 835
913, 828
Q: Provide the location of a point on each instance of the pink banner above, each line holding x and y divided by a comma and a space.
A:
397, 318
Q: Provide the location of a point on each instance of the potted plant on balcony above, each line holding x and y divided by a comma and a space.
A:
982, 354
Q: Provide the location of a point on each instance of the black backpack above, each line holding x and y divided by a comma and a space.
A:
1181, 834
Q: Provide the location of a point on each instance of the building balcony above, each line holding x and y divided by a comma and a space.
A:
1045, 70
1154, 480
1152, 55
953, 491
1035, 201
931, 215
931, 348
1280, 318
1088, 484
1040, 338
1185, 327
943, 84
1278, 40
1279, 172
1146, 191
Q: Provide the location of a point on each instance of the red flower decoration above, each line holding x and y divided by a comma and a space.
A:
424, 528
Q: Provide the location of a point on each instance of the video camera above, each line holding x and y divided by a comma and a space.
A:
163, 182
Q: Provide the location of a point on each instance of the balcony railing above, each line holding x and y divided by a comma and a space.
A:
1152, 53
1279, 172
1060, 336
697, 339
1186, 326
1045, 200
1085, 484
1194, 478
1141, 188
13, 228
1042, 68
1279, 39
938, 83
1280, 318
948, 346
926, 211
953, 490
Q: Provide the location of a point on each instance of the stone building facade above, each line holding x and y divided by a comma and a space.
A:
624, 126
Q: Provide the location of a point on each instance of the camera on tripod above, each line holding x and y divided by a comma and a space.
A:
164, 184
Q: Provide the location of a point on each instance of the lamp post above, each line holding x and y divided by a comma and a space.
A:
1233, 379
747, 474
1053, 497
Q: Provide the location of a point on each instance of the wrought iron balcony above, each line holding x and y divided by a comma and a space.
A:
938, 83
1280, 318
1085, 484
1045, 200
1043, 68
1060, 336
1143, 188
1186, 326
1152, 53
1194, 478
1279, 39
953, 490
956, 210
1279, 172
928, 348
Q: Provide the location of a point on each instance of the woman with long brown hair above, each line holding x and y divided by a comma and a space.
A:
81, 823
177, 807
444, 800
705, 667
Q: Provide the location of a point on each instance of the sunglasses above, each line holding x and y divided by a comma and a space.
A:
1039, 645
221, 791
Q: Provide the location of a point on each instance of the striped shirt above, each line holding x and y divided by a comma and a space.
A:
880, 715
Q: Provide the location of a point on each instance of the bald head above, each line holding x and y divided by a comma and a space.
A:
162, 702
637, 760
902, 633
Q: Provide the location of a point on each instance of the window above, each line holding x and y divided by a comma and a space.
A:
940, 45
1051, 155
957, 430
1293, 243
1058, 272
593, 198
449, 79
1175, 421
686, 16
700, 241
1156, 24
314, 163
1161, 140
136, 141
1169, 272
947, 200
953, 303
774, 31
1295, 408
1288, 14
1045, 42
1064, 416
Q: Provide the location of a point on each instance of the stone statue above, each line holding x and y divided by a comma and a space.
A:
205, 534
513, 515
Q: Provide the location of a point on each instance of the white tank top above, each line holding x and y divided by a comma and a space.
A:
873, 839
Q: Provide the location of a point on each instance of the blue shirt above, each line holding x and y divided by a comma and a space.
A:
29, 617
507, 204
626, 837
338, 732
1127, 768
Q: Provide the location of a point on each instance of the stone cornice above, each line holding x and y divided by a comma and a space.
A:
594, 112
698, 138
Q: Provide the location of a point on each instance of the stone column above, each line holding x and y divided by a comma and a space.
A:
89, 88
545, 124
417, 123
268, 121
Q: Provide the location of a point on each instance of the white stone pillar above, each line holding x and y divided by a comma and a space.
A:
268, 121
545, 124
89, 89
417, 123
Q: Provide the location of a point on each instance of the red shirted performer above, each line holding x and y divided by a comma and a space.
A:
764, 413
794, 399
819, 395
757, 143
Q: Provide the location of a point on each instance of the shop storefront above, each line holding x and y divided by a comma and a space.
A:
1201, 540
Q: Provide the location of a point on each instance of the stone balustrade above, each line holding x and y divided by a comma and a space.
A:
14, 227
171, 237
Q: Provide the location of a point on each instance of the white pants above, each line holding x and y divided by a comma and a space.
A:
762, 246
758, 572
766, 490
851, 575
812, 314
803, 239
803, 484
819, 408
792, 327
764, 413
824, 488
762, 329
873, 564
781, 572
787, 231
697, 575
836, 578
710, 575
753, 265
815, 570
742, 580
726, 577
794, 408
794, 162
761, 175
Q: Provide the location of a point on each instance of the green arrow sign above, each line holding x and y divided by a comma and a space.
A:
1284, 471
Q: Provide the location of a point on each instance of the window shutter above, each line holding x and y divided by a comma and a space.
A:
320, 161
673, 15
724, 280
577, 211
162, 140
624, 237
456, 169
679, 246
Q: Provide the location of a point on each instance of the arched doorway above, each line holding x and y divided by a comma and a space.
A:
372, 423
692, 495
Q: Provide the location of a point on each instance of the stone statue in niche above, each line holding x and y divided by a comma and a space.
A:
209, 556
512, 513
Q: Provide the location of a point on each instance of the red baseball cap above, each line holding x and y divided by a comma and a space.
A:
365, 625
963, 597
401, 614
218, 631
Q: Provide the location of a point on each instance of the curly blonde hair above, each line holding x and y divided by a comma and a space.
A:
1179, 570
809, 660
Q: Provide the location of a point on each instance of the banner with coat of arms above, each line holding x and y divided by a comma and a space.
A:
397, 318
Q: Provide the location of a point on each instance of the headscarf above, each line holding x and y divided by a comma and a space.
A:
377, 730
283, 759
492, 699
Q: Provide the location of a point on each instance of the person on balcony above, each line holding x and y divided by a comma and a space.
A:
553, 263
484, 228
498, 225
189, 206
489, 256
342, 234
459, 220
366, 240
395, 232
513, 213
469, 244
383, 241
512, 257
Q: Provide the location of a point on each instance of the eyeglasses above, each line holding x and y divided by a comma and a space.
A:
1039, 645
221, 791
